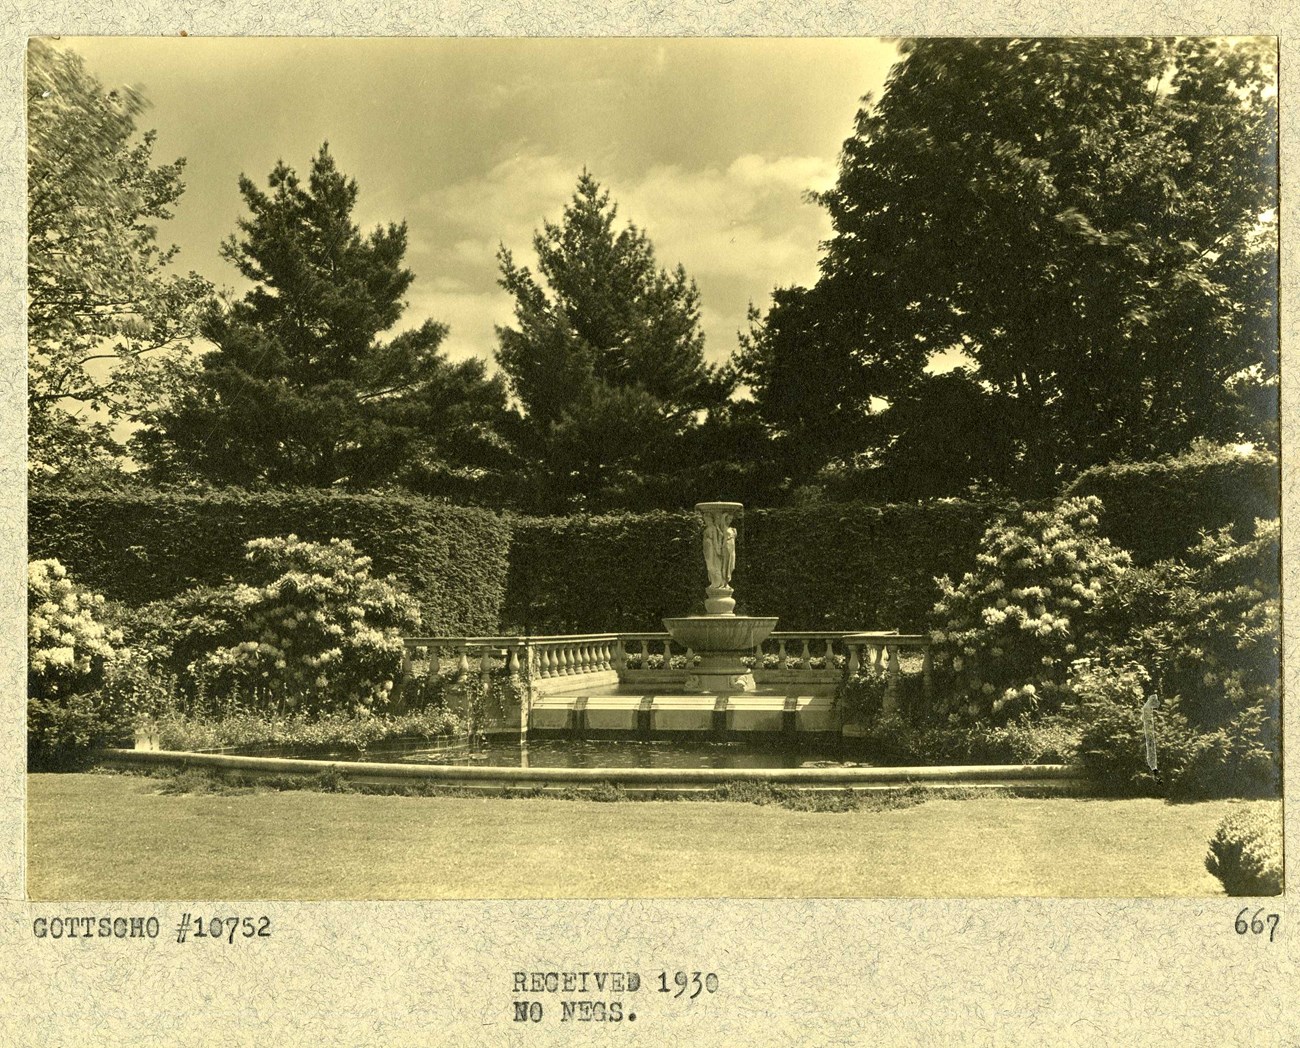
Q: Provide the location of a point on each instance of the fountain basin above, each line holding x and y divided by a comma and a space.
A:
720, 633
721, 642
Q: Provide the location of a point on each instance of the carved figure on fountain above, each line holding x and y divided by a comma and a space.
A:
719, 550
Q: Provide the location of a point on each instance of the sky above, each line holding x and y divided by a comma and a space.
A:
710, 146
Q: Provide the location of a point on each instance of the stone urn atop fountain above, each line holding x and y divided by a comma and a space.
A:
720, 637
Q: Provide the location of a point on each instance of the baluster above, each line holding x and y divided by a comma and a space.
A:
805, 657
645, 654
435, 660
512, 662
668, 654
588, 657
552, 661
877, 655
485, 662
927, 672
855, 658
780, 654
462, 663
620, 655
891, 684
830, 653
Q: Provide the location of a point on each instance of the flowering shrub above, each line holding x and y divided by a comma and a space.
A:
67, 639
70, 649
1010, 629
310, 631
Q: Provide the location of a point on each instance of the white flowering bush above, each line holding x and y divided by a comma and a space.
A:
67, 638
310, 631
1010, 629
70, 651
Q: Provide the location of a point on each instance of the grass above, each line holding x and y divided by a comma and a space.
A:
121, 837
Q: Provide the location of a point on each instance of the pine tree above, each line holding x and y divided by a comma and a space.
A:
606, 358
301, 389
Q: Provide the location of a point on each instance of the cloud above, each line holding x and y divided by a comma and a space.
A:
738, 230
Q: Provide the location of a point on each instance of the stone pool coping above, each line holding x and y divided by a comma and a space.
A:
1018, 776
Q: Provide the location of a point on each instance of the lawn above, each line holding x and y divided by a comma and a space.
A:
116, 837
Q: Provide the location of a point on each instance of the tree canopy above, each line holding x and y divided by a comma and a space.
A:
1089, 224
107, 321
606, 358
300, 388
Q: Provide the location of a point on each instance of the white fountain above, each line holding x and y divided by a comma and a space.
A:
720, 637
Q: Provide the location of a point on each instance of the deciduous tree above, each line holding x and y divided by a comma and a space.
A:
108, 322
1091, 222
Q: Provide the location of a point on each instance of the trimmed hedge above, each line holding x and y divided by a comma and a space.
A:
621, 572
1156, 510
138, 546
832, 566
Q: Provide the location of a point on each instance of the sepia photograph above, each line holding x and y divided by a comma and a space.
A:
652, 468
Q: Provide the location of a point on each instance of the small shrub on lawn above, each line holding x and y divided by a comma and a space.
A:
1246, 852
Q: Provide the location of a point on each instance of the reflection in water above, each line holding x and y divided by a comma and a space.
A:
511, 752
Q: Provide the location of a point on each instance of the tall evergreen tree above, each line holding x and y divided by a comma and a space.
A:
1092, 222
301, 389
606, 358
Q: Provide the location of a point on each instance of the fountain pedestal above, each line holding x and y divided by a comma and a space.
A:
721, 638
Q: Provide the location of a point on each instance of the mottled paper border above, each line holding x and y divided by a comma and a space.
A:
794, 972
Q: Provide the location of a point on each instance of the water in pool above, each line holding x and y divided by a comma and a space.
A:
505, 751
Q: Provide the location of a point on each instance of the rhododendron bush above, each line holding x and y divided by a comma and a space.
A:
1010, 629
67, 639
308, 630
70, 652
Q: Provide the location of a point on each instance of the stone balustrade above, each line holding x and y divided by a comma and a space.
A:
546, 658
646, 661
